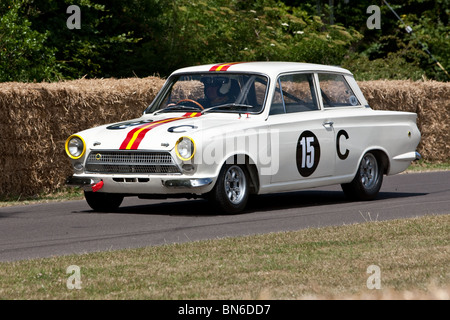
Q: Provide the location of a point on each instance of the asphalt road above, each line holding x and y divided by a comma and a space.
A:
44, 230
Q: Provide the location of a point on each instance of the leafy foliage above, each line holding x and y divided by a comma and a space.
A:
23, 55
124, 38
392, 51
94, 50
207, 32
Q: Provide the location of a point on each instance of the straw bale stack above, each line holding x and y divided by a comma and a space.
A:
430, 100
37, 118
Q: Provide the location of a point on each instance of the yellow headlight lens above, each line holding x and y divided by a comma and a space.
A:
75, 147
185, 148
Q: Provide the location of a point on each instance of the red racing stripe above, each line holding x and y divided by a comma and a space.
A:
135, 136
131, 133
223, 66
192, 114
143, 132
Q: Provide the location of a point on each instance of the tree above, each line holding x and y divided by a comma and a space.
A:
377, 50
236, 30
99, 47
23, 54
123, 38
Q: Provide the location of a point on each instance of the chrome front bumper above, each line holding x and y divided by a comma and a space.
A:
187, 183
86, 183
81, 182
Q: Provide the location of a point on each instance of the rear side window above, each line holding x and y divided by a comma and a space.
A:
336, 92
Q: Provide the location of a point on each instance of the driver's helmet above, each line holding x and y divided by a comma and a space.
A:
223, 83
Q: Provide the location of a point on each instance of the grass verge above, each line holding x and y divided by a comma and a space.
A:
413, 257
425, 166
64, 194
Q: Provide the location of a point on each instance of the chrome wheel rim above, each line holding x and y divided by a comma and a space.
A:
369, 171
235, 184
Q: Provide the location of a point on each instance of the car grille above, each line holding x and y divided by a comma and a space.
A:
131, 162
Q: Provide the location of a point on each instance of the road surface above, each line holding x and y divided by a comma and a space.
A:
61, 228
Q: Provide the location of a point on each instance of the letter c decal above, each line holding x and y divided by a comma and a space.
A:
338, 149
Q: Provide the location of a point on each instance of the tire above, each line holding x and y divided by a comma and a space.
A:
103, 202
367, 181
231, 192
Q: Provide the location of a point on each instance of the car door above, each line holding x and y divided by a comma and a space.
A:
352, 131
306, 143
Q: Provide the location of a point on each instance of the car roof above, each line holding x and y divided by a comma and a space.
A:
271, 68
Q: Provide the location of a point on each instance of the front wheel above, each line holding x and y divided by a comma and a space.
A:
231, 191
367, 181
103, 202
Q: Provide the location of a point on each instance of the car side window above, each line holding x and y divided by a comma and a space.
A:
336, 92
294, 93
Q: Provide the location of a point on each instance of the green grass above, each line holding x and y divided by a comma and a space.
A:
424, 166
327, 263
64, 194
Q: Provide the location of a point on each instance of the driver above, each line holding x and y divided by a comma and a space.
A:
216, 91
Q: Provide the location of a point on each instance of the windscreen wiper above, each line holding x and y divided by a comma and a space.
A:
175, 107
228, 106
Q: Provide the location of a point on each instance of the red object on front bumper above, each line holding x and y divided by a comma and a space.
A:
97, 186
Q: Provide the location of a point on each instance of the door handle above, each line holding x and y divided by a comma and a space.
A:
328, 124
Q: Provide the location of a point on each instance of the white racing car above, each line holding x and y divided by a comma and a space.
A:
230, 130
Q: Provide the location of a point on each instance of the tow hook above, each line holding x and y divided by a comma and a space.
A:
97, 186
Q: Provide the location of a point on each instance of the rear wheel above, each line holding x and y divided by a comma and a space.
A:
368, 179
103, 202
231, 191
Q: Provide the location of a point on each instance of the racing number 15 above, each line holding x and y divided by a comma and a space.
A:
307, 152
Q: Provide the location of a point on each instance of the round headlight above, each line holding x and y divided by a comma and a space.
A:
185, 148
75, 147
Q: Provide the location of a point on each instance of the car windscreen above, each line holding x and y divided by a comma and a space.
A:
212, 92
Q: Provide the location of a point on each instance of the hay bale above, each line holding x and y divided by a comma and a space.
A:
37, 118
430, 100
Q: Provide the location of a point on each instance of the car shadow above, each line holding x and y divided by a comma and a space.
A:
303, 199
269, 202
